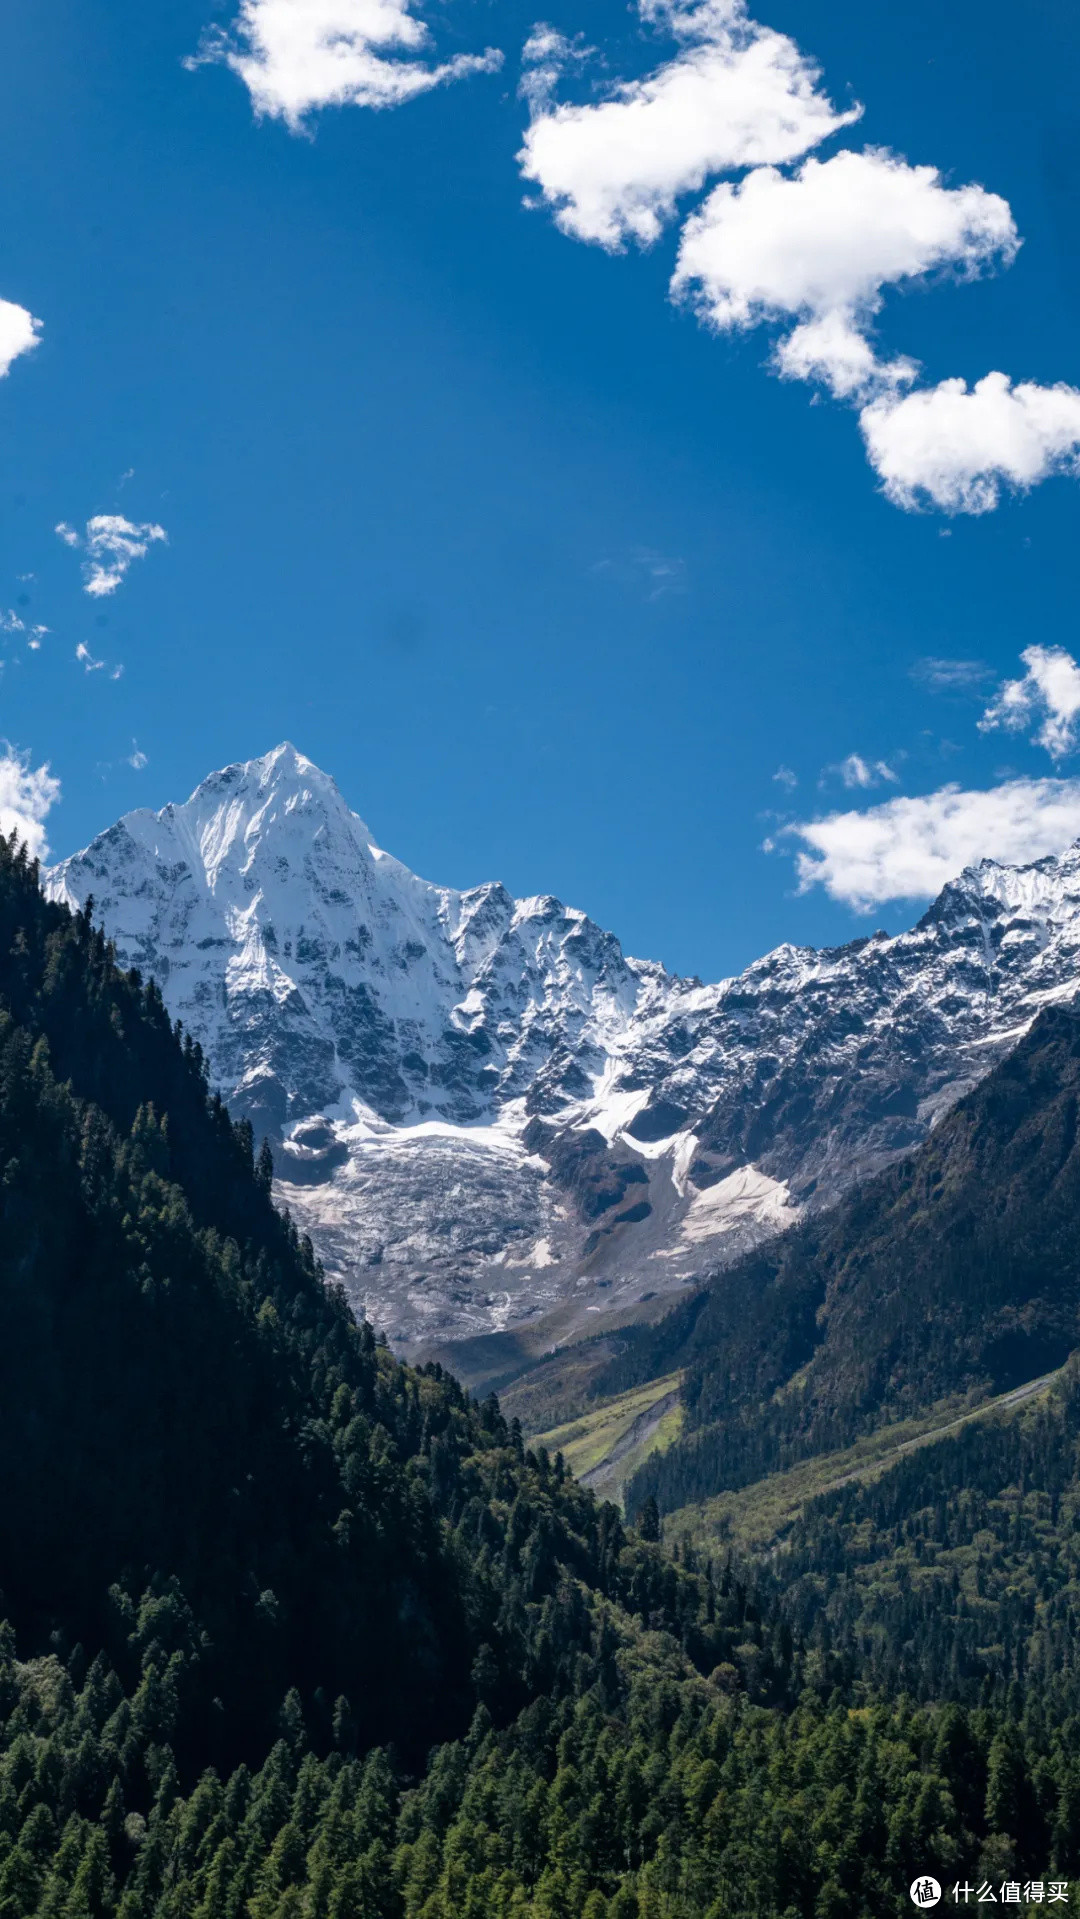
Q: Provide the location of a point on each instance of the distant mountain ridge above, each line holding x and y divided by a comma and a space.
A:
484, 1112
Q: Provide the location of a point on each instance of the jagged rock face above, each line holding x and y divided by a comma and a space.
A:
483, 1111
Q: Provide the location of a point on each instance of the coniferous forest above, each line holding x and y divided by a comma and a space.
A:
293, 1631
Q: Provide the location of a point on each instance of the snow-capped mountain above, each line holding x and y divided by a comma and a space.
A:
483, 1111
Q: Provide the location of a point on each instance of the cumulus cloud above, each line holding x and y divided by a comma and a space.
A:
27, 793
735, 95
956, 448
111, 546
295, 56
822, 245
811, 253
1050, 691
19, 333
909, 848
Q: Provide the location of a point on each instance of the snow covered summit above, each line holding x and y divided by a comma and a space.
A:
322, 975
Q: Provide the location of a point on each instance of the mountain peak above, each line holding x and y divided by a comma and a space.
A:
480, 1105
283, 769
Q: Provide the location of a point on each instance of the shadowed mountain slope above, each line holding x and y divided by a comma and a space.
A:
955, 1272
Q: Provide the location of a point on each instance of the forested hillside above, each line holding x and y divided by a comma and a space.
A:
183, 1399
955, 1273
296, 1632
958, 1570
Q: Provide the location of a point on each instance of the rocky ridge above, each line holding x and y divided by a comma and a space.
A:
484, 1112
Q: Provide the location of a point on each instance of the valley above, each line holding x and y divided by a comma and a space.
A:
298, 1631
605, 1446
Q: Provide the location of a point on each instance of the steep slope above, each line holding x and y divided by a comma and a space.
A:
191, 1419
484, 1112
956, 1272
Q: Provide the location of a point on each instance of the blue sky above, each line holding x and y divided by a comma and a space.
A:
551, 572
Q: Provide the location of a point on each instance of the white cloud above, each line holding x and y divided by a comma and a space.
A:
822, 245
295, 56
137, 759
12, 622
811, 253
545, 57
19, 333
1050, 688
112, 545
27, 793
86, 659
855, 772
956, 448
909, 848
786, 778
736, 95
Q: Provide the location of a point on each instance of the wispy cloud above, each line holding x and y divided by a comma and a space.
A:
643, 566
111, 545
1049, 691
27, 795
908, 848
19, 333
786, 778
951, 676
296, 56
13, 623
89, 664
736, 94
857, 772
137, 759
545, 57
